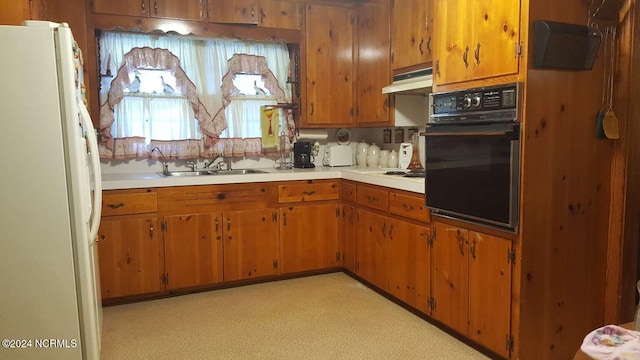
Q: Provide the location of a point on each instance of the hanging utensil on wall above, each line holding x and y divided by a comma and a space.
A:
605, 88
610, 121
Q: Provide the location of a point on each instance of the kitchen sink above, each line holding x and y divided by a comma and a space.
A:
238, 172
213, 172
189, 173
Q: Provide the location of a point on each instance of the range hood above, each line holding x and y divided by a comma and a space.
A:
417, 82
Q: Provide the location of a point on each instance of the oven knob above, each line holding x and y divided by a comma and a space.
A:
466, 102
475, 102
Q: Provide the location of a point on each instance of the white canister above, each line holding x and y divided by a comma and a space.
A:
361, 153
383, 160
373, 154
392, 162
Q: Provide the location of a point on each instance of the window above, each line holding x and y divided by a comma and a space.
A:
191, 97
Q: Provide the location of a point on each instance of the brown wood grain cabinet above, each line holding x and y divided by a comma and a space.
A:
348, 237
263, 13
193, 251
129, 244
371, 248
373, 64
329, 63
310, 220
471, 286
476, 40
251, 243
309, 237
183, 9
409, 263
412, 33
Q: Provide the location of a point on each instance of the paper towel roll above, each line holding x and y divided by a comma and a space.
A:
312, 134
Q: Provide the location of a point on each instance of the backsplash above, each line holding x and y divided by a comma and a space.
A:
369, 135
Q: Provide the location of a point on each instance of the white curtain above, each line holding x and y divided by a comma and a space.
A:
205, 63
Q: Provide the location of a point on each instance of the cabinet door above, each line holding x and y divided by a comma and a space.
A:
183, 9
348, 238
450, 276
412, 33
302, 249
489, 291
193, 250
373, 64
251, 247
453, 55
129, 256
371, 248
122, 7
279, 14
329, 63
409, 263
495, 35
235, 12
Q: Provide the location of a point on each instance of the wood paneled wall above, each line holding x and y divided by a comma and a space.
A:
624, 224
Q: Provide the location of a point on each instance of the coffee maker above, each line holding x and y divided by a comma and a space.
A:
302, 154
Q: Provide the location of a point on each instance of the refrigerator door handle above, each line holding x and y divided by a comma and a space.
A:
95, 168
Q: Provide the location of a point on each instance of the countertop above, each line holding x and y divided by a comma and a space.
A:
372, 176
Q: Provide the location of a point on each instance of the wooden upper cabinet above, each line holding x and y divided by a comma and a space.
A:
183, 9
476, 39
15, 11
373, 67
329, 41
412, 33
263, 13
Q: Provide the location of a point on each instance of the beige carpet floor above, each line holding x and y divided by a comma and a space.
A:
328, 316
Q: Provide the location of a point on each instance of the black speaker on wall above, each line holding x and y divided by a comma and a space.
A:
564, 46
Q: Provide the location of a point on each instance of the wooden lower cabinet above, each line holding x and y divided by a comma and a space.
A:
129, 256
251, 243
348, 237
409, 263
309, 237
472, 285
193, 250
371, 248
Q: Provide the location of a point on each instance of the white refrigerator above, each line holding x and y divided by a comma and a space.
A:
50, 199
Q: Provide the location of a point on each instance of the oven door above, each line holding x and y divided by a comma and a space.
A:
473, 171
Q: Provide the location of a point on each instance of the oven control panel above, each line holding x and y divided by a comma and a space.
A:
478, 104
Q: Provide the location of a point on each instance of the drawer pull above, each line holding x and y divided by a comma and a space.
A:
372, 198
308, 192
407, 207
115, 206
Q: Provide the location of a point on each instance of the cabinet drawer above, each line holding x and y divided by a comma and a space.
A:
348, 192
301, 191
409, 206
373, 198
124, 204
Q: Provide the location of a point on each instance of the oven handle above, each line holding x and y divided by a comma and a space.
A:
467, 133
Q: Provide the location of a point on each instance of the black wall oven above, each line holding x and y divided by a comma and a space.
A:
472, 157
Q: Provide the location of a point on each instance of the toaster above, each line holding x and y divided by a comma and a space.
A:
338, 155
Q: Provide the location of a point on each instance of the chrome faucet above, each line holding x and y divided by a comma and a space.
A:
164, 161
225, 160
193, 165
208, 164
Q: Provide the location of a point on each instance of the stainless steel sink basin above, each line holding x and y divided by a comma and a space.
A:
213, 172
238, 172
189, 173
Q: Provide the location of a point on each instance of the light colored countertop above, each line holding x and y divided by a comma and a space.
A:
360, 174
